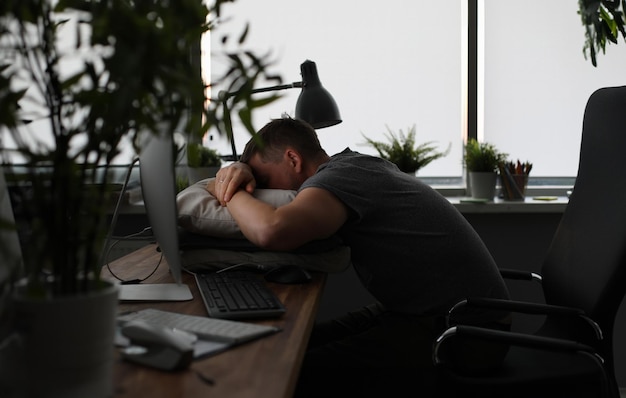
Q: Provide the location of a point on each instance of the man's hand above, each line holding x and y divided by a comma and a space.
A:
229, 180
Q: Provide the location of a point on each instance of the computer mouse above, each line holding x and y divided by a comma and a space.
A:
156, 346
289, 274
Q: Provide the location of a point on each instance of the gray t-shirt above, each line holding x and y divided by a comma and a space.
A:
412, 249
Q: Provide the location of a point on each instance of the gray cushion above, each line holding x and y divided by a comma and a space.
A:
200, 212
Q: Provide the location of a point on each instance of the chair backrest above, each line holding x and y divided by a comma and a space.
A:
586, 263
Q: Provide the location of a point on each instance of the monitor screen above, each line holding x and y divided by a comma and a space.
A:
158, 186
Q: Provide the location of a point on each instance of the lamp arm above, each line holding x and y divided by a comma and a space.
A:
276, 88
225, 95
229, 131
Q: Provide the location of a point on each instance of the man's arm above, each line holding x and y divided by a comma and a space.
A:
229, 180
313, 214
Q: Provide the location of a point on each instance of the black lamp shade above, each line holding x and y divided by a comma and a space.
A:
315, 105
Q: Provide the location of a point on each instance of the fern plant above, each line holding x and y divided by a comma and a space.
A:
403, 151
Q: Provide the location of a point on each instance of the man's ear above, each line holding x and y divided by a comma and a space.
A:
294, 159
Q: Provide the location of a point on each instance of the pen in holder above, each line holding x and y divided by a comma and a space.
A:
514, 178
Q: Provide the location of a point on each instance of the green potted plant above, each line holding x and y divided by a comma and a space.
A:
603, 20
68, 108
202, 162
481, 162
403, 151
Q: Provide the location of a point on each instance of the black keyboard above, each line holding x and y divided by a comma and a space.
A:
237, 295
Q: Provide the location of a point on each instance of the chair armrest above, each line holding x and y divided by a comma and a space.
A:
513, 338
526, 308
520, 275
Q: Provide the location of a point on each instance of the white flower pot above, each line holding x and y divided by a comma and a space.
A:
196, 174
64, 346
483, 184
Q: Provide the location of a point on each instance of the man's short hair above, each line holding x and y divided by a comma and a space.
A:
275, 136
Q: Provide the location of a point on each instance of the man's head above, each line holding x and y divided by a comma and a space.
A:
284, 153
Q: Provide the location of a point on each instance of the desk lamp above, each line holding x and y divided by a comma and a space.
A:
315, 105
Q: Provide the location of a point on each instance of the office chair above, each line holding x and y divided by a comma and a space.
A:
583, 279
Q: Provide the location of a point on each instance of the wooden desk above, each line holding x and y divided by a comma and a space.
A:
267, 367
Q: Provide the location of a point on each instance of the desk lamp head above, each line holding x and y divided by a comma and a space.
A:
315, 105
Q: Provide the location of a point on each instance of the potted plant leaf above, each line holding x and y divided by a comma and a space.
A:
604, 21
202, 162
481, 162
79, 81
404, 152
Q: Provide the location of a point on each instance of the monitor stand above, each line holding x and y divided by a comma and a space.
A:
155, 292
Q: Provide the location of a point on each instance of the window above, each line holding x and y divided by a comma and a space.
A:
396, 64
535, 81
400, 63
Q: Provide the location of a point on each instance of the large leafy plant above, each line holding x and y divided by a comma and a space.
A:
69, 107
604, 22
403, 150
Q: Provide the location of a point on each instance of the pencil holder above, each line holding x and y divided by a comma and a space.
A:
513, 186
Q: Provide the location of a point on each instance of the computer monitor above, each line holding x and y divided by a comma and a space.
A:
158, 187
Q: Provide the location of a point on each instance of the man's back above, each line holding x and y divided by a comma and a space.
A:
410, 247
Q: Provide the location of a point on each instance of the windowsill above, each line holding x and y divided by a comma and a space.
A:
537, 203
536, 200
456, 194
531, 204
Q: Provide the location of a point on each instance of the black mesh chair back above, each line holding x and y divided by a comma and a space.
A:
584, 269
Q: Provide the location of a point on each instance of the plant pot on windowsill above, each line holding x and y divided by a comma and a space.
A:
195, 174
481, 161
202, 162
483, 184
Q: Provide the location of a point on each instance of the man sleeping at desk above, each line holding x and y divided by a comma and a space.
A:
210, 239
412, 250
